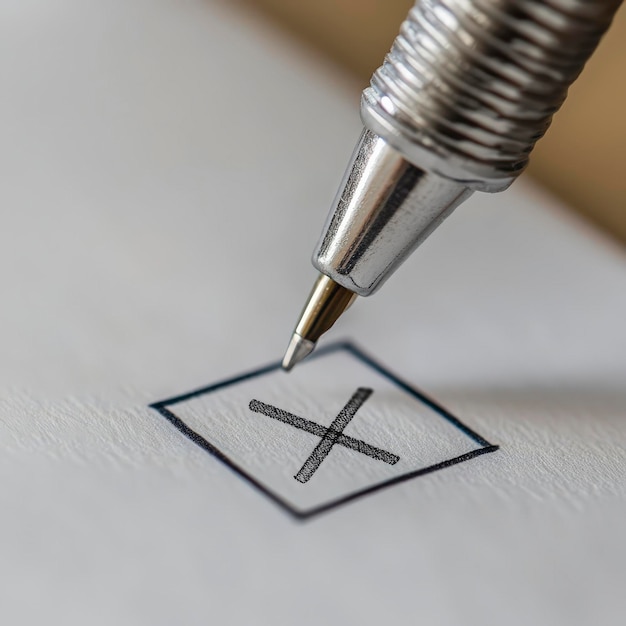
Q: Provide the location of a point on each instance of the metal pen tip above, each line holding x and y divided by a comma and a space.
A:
298, 349
328, 300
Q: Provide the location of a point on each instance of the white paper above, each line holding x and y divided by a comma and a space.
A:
166, 168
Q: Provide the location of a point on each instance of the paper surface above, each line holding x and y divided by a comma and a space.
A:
167, 166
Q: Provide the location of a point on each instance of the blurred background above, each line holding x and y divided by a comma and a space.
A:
582, 159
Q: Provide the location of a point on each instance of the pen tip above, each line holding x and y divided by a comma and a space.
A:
328, 300
297, 350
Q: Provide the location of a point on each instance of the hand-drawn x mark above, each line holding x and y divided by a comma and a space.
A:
329, 436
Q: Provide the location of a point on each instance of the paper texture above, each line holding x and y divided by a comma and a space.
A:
167, 166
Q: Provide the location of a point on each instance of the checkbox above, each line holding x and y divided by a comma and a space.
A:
337, 428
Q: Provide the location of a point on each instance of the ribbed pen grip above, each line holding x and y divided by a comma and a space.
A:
470, 85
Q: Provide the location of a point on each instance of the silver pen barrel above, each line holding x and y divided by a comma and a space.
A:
468, 88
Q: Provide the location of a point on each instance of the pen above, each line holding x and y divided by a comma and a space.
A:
467, 89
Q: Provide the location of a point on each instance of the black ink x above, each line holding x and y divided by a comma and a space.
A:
329, 436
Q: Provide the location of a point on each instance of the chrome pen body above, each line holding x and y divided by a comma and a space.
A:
467, 89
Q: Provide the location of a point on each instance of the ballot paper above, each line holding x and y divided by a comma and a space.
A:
454, 454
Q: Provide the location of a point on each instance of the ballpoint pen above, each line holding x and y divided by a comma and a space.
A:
467, 89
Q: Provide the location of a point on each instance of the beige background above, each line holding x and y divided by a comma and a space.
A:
583, 155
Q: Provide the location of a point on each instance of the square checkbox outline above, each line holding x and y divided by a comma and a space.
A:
360, 355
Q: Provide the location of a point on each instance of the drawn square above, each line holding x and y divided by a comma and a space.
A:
340, 426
